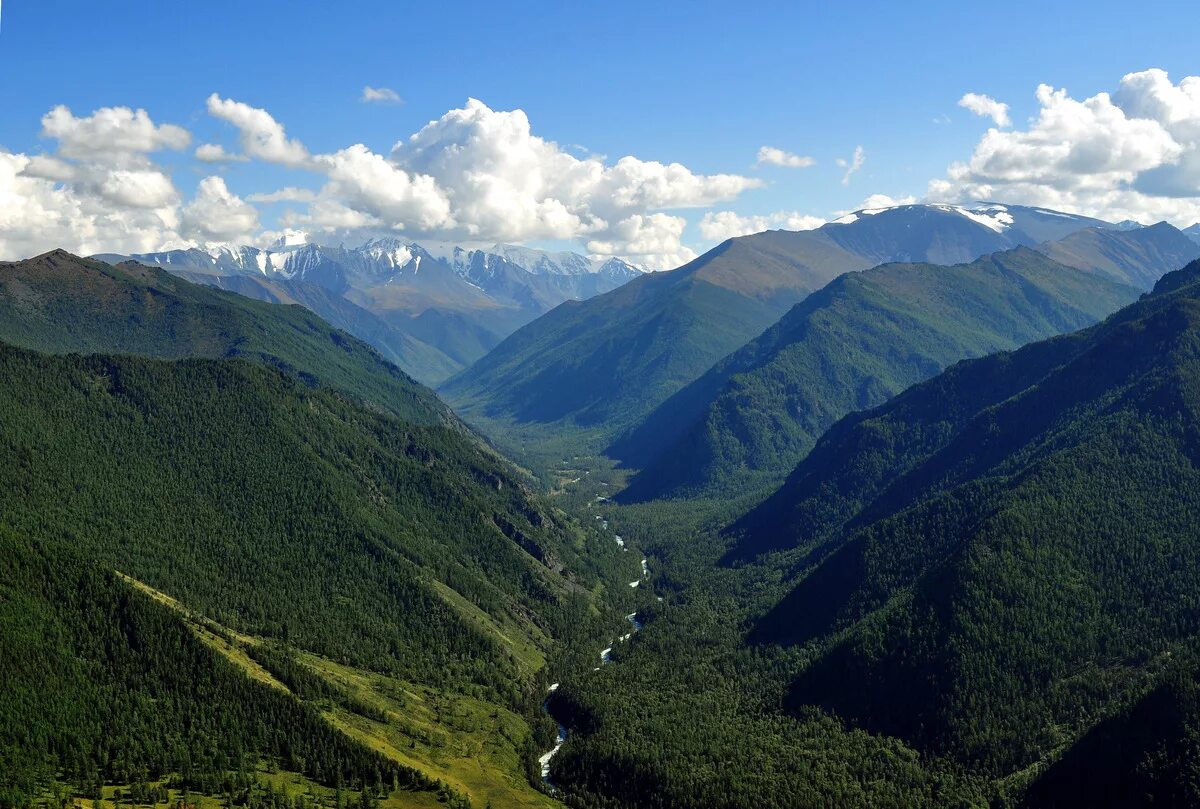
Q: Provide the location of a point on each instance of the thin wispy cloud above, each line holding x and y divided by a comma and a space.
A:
380, 95
986, 107
853, 164
770, 156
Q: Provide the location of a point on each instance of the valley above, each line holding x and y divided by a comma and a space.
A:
599, 406
471, 632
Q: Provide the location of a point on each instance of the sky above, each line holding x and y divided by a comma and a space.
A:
649, 131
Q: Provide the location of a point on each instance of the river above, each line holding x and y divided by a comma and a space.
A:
605, 657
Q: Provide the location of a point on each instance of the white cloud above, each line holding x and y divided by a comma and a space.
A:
986, 107
148, 188
380, 95
853, 164
1132, 154
717, 226
289, 194
884, 201
367, 182
215, 153
262, 136
216, 215
503, 182
111, 135
652, 241
769, 155
472, 175
39, 213
478, 174
101, 192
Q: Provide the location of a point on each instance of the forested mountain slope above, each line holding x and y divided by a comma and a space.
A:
282, 510
858, 341
602, 363
999, 556
287, 512
102, 684
404, 348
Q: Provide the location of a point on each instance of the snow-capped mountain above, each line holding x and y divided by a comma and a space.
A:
455, 302
948, 234
293, 258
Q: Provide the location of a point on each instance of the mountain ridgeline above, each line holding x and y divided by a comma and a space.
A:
65, 304
857, 342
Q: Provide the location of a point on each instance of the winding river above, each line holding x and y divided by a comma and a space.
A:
605, 657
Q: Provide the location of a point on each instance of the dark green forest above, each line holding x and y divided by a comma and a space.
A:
972, 595
981, 592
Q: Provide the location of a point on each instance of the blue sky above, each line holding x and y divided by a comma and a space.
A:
704, 85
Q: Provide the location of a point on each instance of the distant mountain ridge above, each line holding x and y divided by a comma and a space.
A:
597, 367
855, 343
443, 306
1137, 256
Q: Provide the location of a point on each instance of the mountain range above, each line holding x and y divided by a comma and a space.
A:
595, 369
430, 309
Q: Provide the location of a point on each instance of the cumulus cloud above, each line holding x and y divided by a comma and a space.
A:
38, 213
98, 190
472, 175
367, 182
770, 156
853, 164
1131, 154
884, 201
717, 226
111, 135
652, 241
262, 136
505, 182
216, 215
986, 107
479, 174
380, 95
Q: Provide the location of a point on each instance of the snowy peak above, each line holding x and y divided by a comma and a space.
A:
1128, 224
292, 256
542, 262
